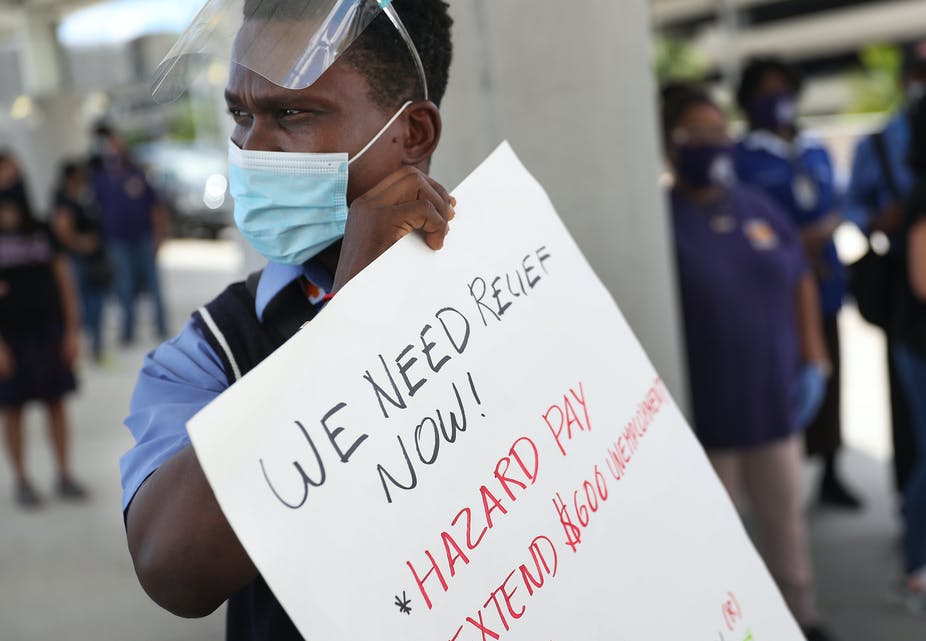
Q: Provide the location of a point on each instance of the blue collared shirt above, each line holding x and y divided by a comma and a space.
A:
777, 167
182, 376
869, 192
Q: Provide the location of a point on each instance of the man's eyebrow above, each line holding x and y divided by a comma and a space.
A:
276, 100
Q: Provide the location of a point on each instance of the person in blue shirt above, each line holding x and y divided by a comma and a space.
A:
792, 168
881, 180
318, 225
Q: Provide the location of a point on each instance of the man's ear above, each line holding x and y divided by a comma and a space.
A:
423, 131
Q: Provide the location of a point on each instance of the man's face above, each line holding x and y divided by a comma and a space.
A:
334, 115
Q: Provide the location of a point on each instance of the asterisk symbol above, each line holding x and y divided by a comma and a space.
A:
404, 604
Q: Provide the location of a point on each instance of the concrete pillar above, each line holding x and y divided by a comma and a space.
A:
570, 85
46, 124
54, 131
40, 53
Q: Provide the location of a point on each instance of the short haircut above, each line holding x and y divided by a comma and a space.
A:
381, 54
677, 100
756, 70
917, 157
68, 169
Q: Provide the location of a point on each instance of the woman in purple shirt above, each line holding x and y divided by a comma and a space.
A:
757, 358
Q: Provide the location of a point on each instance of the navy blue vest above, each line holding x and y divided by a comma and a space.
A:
234, 332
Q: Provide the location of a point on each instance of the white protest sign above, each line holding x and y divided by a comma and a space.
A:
471, 444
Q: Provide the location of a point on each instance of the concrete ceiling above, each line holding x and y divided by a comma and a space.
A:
807, 35
48, 7
669, 11
44, 4
839, 30
825, 32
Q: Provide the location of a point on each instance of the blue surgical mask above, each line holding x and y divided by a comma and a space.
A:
292, 206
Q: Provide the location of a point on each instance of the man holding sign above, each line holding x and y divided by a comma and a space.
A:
315, 87
466, 445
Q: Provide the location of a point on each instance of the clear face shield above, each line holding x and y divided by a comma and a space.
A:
291, 43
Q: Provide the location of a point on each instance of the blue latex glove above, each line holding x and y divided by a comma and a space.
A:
807, 393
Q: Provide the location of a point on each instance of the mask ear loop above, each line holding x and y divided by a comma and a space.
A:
381, 132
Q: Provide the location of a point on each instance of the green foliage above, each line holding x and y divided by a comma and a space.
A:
182, 126
196, 120
877, 88
678, 61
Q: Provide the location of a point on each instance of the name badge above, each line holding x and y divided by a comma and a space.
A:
760, 234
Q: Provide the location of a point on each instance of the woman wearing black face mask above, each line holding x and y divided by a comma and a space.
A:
795, 171
756, 355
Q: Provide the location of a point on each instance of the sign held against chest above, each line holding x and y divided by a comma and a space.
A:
476, 460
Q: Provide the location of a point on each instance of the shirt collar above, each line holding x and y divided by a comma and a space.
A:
778, 146
277, 276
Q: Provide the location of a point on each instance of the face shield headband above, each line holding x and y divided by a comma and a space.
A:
291, 43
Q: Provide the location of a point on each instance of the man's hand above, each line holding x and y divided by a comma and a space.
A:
406, 201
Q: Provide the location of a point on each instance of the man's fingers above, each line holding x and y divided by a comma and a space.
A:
441, 192
424, 217
389, 183
404, 202
447, 202
441, 203
409, 184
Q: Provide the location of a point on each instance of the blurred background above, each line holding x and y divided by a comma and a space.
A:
574, 87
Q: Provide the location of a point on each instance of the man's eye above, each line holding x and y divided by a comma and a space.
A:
238, 114
296, 113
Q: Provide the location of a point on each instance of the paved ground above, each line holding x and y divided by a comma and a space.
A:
65, 573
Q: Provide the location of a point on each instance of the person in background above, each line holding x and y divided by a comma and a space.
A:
77, 227
881, 182
39, 333
134, 224
795, 171
756, 354
909, 353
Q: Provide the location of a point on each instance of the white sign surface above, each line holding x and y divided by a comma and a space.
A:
471, 444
